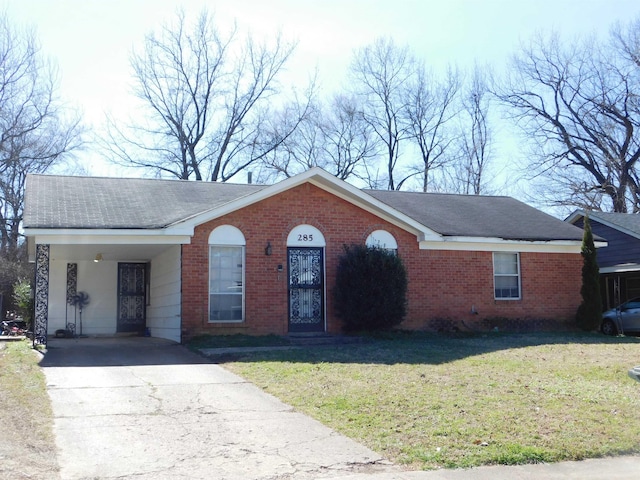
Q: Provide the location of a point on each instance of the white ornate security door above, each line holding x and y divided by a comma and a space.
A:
305, 262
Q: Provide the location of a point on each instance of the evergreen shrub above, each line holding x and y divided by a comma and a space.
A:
371, 289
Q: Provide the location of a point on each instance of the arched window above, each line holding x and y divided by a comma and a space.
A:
226, 274
382, 239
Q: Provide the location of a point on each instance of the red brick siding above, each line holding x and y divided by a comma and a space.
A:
443, 285
451, 285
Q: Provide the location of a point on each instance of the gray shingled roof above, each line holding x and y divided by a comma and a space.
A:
117, 203
627, 221
478, 216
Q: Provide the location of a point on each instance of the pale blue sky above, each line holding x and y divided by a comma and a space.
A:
91, 39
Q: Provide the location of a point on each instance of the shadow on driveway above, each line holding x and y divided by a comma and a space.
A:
116, 351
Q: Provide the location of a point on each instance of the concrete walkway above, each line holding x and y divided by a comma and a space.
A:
149, 409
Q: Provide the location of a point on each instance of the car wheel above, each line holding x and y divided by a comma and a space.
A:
608, 327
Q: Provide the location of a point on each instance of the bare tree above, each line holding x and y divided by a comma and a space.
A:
36, 131
350, 144
429, 110
335, 137
380, 73
578, 103
300, 151
470, 168
208, 96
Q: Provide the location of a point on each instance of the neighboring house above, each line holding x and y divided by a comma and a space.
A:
619, 261
178, 258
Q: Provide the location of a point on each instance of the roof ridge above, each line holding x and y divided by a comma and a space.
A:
453, 194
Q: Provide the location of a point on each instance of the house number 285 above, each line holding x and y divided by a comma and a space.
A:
304, 237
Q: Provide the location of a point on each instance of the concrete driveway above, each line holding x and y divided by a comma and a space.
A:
148, 409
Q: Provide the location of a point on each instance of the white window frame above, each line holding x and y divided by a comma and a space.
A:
511, 275
227, 236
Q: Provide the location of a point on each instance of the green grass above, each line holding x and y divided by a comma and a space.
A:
27, 447
431, 401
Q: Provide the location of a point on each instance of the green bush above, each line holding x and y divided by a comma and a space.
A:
371, 289
23, 300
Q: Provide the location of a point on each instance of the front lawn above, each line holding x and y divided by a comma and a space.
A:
431, 401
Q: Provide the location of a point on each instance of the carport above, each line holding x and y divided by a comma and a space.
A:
106, 286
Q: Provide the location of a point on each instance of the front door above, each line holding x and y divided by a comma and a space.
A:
306, 289
132, 289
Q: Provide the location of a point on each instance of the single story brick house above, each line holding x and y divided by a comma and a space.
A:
175, 259
619, 260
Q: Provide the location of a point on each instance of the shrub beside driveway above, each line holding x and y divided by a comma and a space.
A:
431, 401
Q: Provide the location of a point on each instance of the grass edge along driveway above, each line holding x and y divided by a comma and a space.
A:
27, 445
431, 401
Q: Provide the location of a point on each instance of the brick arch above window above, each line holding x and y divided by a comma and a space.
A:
226, 235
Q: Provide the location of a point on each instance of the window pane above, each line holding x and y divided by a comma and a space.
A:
507, 287
225, 308
225, 283
506, 263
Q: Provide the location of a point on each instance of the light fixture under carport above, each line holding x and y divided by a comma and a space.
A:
98, 258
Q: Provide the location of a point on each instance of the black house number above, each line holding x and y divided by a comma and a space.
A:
304, 237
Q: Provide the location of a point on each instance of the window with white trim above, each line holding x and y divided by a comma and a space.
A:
506, 275
226, 275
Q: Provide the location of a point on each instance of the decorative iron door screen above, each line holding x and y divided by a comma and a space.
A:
306, 290
131, 297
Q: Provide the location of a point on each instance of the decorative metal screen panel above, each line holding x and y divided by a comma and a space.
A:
72, 290
306, 286
41, 314
72, 282
131, 297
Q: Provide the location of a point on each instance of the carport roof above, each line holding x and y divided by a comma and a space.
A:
69, 202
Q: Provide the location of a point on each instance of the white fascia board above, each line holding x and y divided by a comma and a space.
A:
105, 232
476, 244
97, 238
327, 182
629, 267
